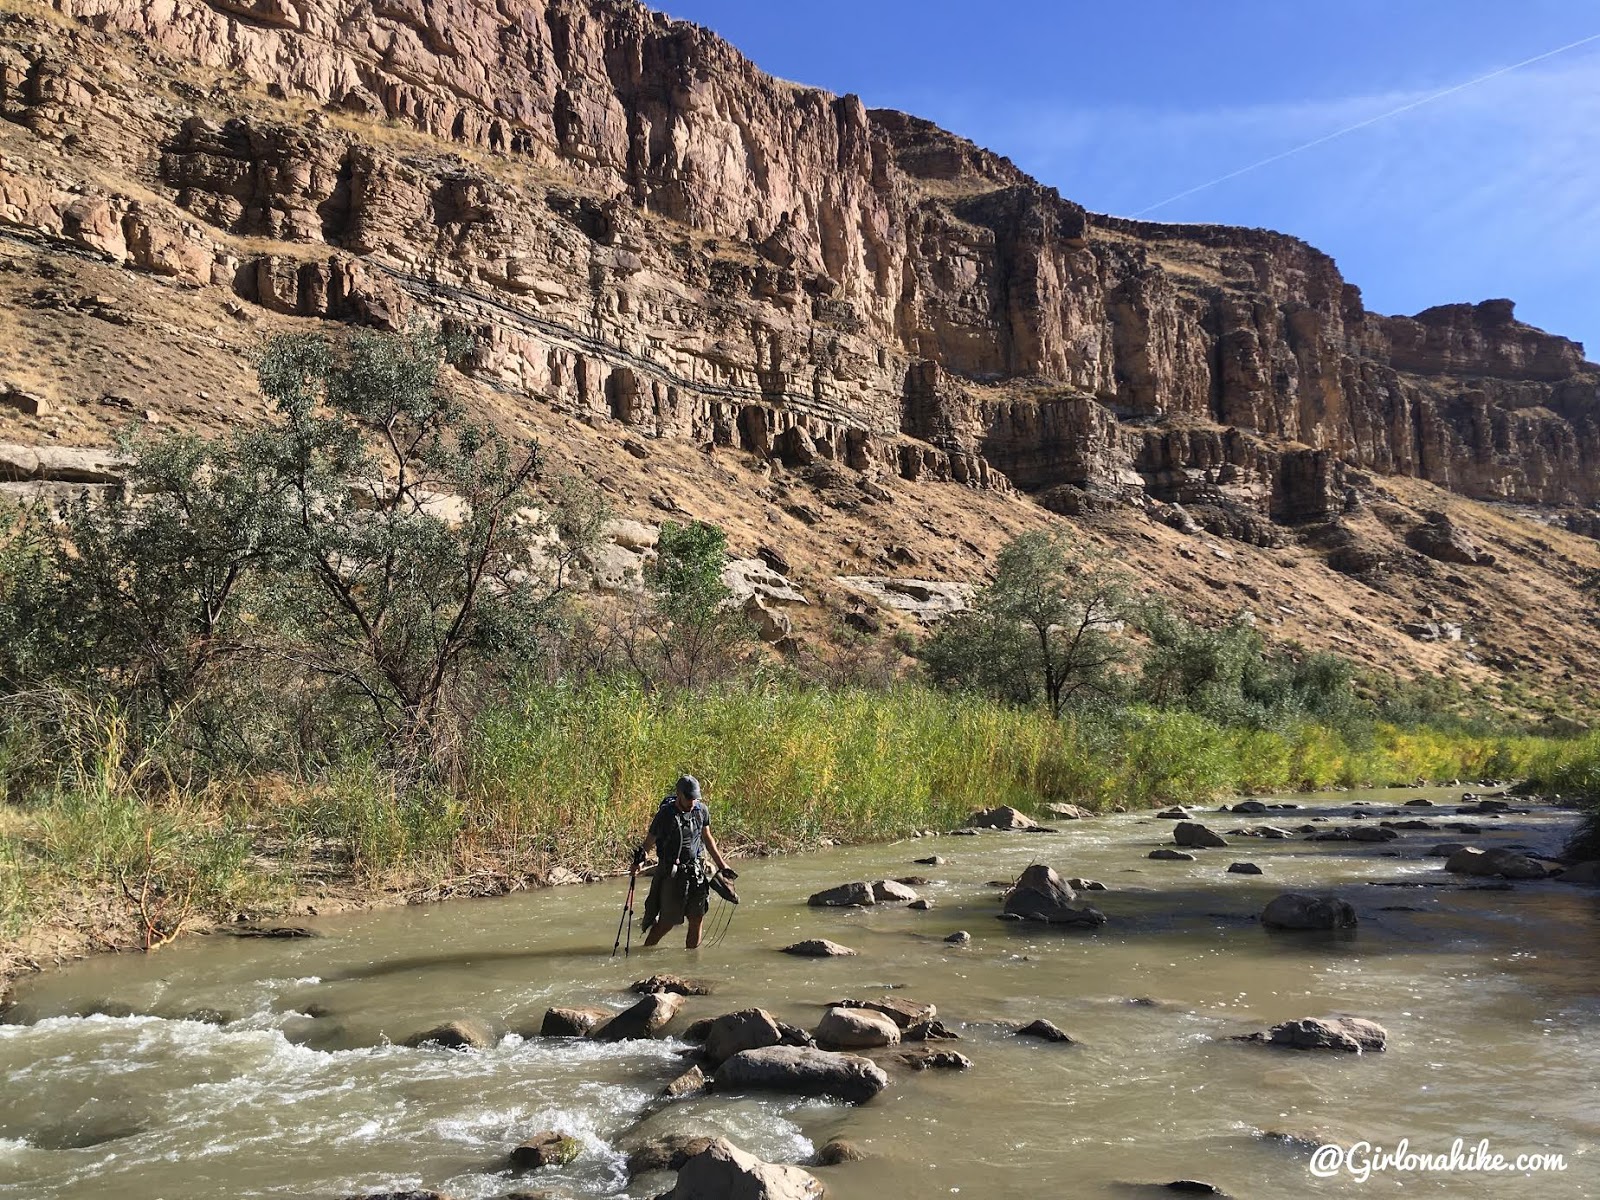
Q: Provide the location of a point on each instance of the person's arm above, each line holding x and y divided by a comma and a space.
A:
645, 846
716, 855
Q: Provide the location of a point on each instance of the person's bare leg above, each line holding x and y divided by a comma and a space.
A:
658, 931
693, 939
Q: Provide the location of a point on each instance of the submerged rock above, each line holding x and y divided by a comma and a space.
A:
801, 1071
676, 984
839, 1151
1587, 873
691, 1083
1295, 910
1243, 868
645, 1019
1046, 1031
929, 1031
1167, 854
665, 1153
1508, 864
1039, 894
933, 860
456, 1035
818, 948
941, 1060
573, 1022
1354, 1035
545, 1150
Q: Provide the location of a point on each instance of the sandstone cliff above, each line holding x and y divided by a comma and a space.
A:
639, 221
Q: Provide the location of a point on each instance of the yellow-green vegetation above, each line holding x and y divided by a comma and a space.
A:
567, 776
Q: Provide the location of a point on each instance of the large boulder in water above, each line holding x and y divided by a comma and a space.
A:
1508, 864
722, 1171
1295, 910
644, 1020
801, 1071
1194, 835
1001, 817
856, 1029
1352, 1034
747, 1029
1039, 894
902, 1012
845, 895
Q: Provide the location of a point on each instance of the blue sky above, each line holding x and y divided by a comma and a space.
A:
1491, 191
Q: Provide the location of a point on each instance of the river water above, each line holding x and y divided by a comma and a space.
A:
223, 1067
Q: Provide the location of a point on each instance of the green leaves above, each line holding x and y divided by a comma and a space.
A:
1041, 632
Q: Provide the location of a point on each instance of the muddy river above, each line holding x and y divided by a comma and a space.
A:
223, 1067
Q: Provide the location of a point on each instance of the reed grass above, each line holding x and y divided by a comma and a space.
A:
570, 776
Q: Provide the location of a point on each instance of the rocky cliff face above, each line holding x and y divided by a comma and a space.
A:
639, 225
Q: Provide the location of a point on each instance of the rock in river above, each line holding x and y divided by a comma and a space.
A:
1001, 817
800, 1071
856, 1029
672, 983
1352, 1034
545, 1150
722, 1171
902, 1012
1168, 854
892, 891
1041, 895
1508, 864
456, 1035
1295, 910
1192, 835
818, 948
573, 1022
1046, 1031
644, 1020
940, 1060
845, 895
747, 1029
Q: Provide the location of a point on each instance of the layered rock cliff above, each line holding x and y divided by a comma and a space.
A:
638, 224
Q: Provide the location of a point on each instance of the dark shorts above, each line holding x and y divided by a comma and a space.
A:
677, 893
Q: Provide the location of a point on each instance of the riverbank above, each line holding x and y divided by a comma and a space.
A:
105, 850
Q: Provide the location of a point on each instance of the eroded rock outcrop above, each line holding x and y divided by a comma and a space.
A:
714, 255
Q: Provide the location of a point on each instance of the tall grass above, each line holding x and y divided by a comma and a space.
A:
571, 775
1571, 769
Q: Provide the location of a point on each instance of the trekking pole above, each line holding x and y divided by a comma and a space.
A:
627, 916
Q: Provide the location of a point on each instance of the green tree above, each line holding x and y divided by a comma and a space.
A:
1041, 632
688, 632
411, 532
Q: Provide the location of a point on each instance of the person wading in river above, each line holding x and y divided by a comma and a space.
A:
680, 890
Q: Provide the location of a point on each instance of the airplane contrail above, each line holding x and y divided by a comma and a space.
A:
1393, 112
